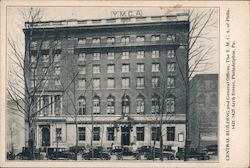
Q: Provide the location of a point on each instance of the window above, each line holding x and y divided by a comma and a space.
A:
171, 38
82, 84
81, 41
81, 133
140, 82
45, 45
125, 104
155, 105
170, 53
96, 105
33, 59
155, 67
33, 72
58, 134
140, 38
45, 81
155, 54
171, 67
125, 55
45, 71
111, 68
96, 40
57, 44
181, 137
170, 105
70, 50
155, 38
111, 83
33, 83
81, 56
96, 83
45, 58
45, 105
57, 57
170, 82
96, 133
140, 133
110, 39
57, 70
111, 105
57, 82
155, 133
155, 81
58, 103
96, 56
125, 39
82, 69
111, 132
140, 67
96, 69
125, 67
81, 106
170, 133
125, 82
111, 55
140, 54
140, 105
33, 45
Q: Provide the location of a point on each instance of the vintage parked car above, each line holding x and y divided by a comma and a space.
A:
144, 149
94, 154
116, 149
26, 154
211, 149
169, 155
78, 149
194, 153
152, 153
156, 153
60, 154
127, 151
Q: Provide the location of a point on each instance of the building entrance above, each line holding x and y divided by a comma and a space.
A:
125, 139
45, 136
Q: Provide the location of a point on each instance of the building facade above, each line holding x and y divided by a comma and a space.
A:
204, 110
108, 82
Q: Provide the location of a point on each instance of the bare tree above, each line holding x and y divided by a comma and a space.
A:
199, 47
31, 71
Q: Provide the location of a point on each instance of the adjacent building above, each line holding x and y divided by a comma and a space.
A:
109, 81
203, 123
15, 128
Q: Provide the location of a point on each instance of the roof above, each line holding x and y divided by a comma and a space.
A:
109, 21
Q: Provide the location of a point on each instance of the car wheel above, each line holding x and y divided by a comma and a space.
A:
18, 157
171, 157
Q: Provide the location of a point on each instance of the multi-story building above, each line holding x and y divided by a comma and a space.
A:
109, 81
203, 118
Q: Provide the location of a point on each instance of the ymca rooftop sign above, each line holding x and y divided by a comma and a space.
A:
124, 14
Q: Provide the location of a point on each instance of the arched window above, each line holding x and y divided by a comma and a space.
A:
125, 104
140, 104
170, 105
96, 105
81, 106
111, 105
155, 105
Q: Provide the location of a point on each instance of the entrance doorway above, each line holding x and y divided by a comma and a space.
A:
125, 139
45, 136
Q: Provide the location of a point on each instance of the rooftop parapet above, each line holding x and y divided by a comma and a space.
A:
110, 21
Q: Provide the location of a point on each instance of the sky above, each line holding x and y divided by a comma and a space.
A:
15, 22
